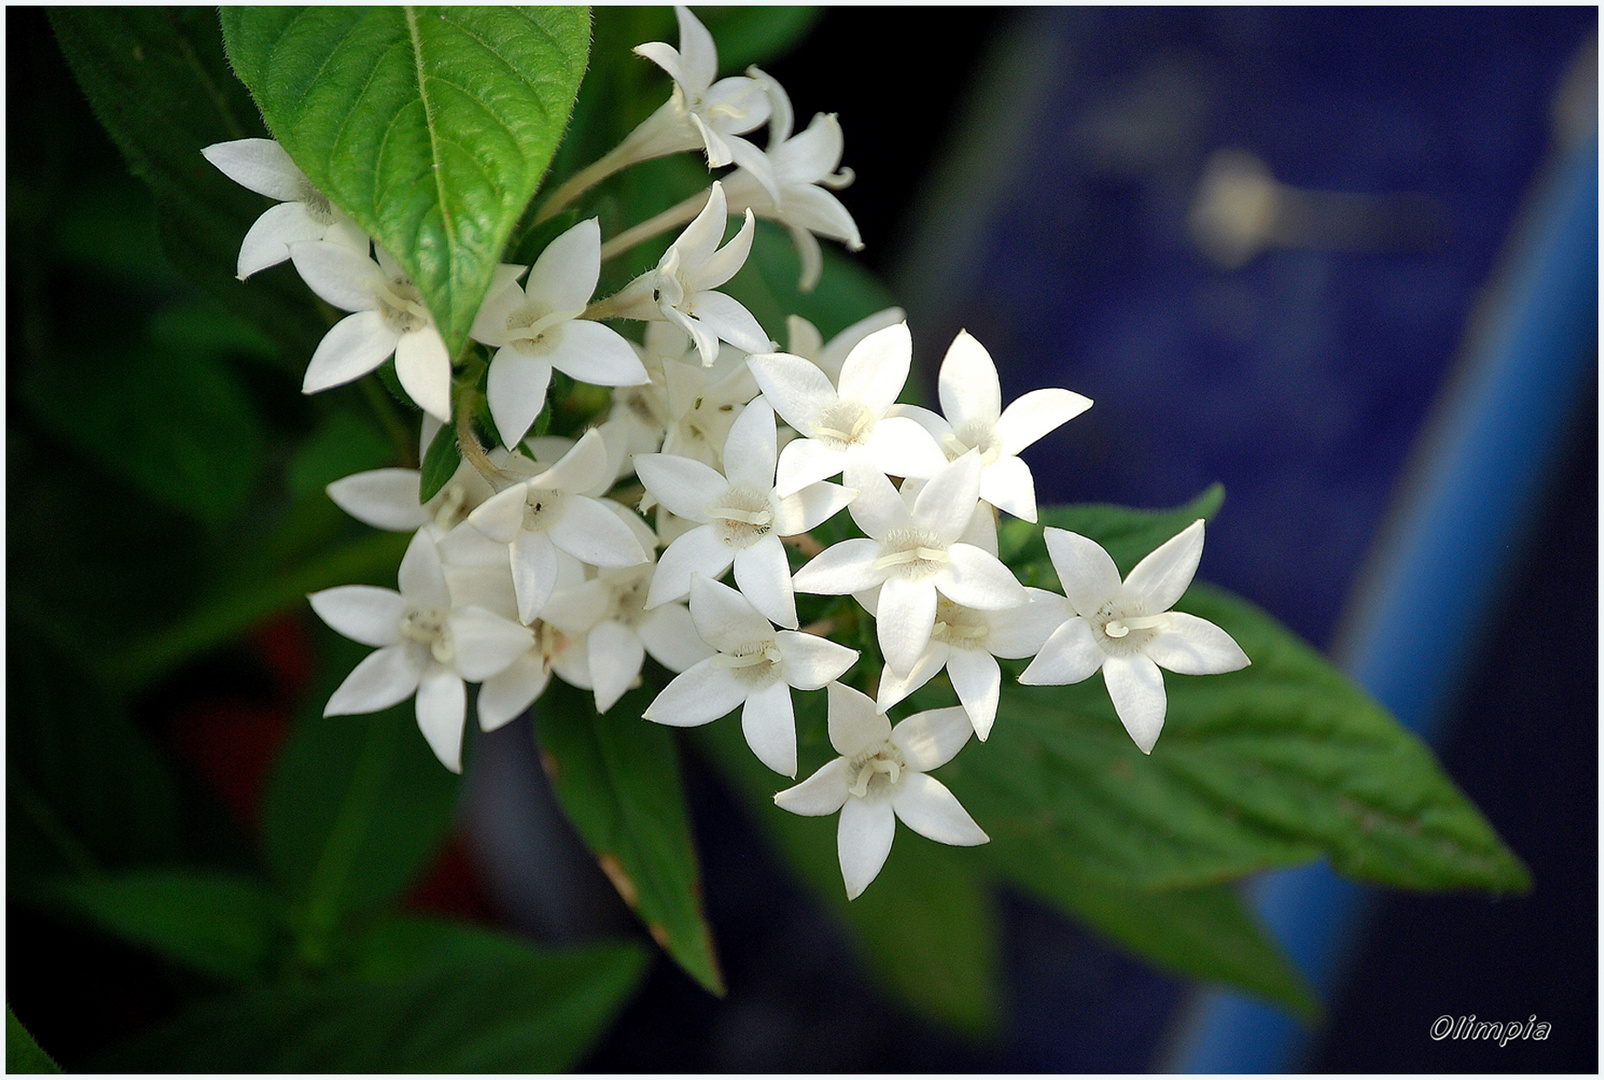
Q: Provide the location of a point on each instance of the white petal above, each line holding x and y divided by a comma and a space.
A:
834, 354
565, 274
904, 619
1164, 574
485, 643
900, 446
811, 507
811, 662
593, 534
731, 322
342, 277
505, 697
1137, 688
1088, 576
664, 56
1022, 631
854, 722
1030, 416
687, 487
978, 681
878, 507
363, 613
698, 552
794, 386
697, 55
1193, 646
503, 300
379, 681
926, 806
804, 462
839, 569
585, 468
930, 739
724, 618
875, 371
895, 686
442, 711
1068, 656
947, 503
382, 498
269, 239
764, 575
769, 724
726, 262
751, 448
422, 580
671, 639
616, 655
1007, 484
516, 388
353, 347
823, 793
809, 258
701, 237
863, 840
699, 695
978, 580
968, 384
598, 355
533, 560
423, 366
261, 165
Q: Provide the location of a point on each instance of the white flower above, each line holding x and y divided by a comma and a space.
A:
739, 519
574, 608
756, 667
800, 168
551, 511
704, 403
701, 112
680, 289
390, 319
912, 554
803, 339
840, 428
427, 642
966, 641
388, 498
881, 776
303, 214
971, 398
1128, 629
539, 327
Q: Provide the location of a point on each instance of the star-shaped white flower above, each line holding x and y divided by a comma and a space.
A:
539, 327
552, 511
1127, 628
681, 288
913, 554
704, 403
428, 643
303, 214
390, 319
803, 339
739, 518
801, 168
880, 776
966, 642
756, 667
840, 427
971, 399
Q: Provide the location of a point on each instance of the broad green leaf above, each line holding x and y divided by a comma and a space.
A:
354, 807
157, 79
1274, 765
23, 1054
219, 924
1128, 535
430, 126
1205, 932
926, 927
499, 1006
617, 777
439, 463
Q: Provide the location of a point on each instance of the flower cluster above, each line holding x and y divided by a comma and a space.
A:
526, 564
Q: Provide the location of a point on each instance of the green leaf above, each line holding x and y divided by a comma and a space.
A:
354, 808
342, 445
1128, 535
617, 777
926, 928
23, 1054
464, 1000
430, 126
1205, 932
440, 463
219, 924
157, 79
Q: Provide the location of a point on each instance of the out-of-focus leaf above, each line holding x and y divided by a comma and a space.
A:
926, 927
157, 79
439, 463
754, 35
430, 126
219, 924
354, 808
343, 445
23, 1054
617, 777
491, 1006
